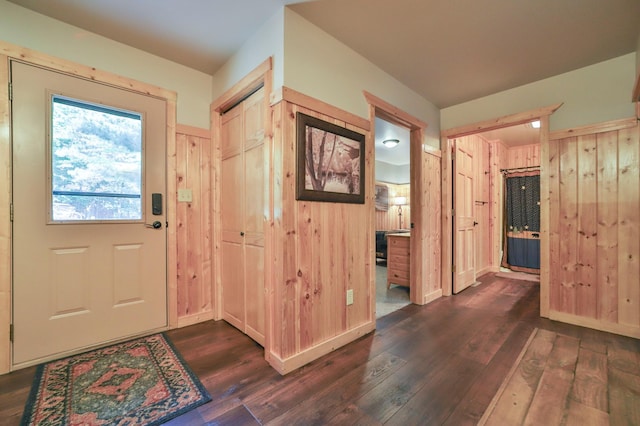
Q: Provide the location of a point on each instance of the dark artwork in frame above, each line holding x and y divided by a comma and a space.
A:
330, 162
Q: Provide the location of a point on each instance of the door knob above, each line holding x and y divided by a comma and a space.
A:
241, 234
155, 225
475, 223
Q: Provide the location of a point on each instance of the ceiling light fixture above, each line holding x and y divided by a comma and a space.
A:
390, 143
535, 124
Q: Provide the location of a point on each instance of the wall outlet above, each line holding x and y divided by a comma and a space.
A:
185, 195
350, 297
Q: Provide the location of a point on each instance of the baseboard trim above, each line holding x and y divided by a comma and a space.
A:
284, 366
428, 298
195, 319
624, 330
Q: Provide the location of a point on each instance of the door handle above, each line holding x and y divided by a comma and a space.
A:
241, 234
155, 225
475, 223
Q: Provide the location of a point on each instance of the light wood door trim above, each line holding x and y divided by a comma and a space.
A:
446, 136
5, 219
10, 51
380, 108
261, 76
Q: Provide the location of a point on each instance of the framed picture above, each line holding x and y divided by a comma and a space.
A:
330, 164
382, 198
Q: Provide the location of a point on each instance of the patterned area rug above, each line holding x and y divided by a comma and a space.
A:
139, 382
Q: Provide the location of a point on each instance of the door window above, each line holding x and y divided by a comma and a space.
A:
95, 162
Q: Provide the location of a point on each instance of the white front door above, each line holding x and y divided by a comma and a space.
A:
464, 221
88, 266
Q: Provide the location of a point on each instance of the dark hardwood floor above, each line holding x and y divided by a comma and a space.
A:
436, 364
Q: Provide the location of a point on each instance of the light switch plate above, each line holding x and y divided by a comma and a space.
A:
350, 297
185, 195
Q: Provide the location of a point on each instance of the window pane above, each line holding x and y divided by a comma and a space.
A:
96, 162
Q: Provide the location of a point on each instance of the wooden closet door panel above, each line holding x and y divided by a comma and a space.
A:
254, 192
231, 195
233, 294
231, 133
254, 298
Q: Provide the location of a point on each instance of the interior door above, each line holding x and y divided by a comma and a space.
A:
464, 219
87, 267
243, 215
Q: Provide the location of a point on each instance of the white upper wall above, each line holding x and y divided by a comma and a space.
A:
267, 41
391, 173
34, 31
320, 66
594, 94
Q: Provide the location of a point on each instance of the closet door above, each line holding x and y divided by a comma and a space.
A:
243, 216
254, 219
232, 217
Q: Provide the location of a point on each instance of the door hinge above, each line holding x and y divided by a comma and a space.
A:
11, 212
11, 332
10, 91
453, 268
453, 212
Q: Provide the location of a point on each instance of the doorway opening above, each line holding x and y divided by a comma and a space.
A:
420, 231
459, 201
487, 167
392, 216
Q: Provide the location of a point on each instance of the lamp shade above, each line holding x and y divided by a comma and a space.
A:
400, 201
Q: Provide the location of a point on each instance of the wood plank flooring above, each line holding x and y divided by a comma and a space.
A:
437, 364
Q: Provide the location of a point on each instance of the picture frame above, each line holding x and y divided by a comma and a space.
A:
382, 197
330, 162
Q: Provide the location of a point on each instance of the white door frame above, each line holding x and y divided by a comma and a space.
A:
13, 52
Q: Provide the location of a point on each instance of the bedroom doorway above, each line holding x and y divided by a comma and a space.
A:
392, 216
380, 109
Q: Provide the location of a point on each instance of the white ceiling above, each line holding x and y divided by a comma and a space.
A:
454, 51
201, 34
447, 51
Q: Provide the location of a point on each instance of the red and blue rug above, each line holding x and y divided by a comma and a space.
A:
139, 382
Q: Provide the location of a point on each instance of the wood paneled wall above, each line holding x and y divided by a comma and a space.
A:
499, 156
194, 226
387, 220
523, 156
431, 188
320, 251
594, 227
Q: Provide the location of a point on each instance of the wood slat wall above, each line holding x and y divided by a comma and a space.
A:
321, 250
523, 156
194, 226
387, 220
594, 233
499, 155
431, 227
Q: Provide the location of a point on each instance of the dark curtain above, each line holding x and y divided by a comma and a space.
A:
522, 222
